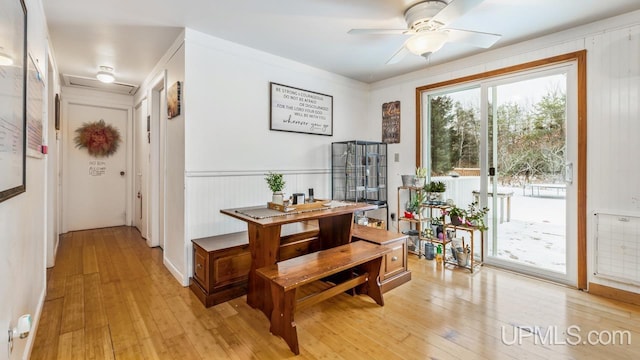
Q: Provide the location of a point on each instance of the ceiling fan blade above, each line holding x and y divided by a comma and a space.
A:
475, 38
399, 55
381, 32
454, 10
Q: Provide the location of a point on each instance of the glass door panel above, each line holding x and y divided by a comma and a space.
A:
527, 149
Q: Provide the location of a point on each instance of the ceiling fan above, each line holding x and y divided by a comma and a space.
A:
427, 23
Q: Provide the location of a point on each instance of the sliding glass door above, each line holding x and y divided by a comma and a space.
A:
509, 143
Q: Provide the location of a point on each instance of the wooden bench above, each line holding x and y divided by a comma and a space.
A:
361, 262
221, 263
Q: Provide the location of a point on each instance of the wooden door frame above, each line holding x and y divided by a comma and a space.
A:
580, 57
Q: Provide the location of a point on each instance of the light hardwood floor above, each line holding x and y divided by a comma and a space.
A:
109, 296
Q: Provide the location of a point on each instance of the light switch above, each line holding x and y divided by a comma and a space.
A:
396, 157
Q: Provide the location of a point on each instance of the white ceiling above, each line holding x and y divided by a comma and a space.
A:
131, 36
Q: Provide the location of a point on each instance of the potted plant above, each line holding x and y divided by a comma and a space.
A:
421, 176
435, 190
414, 205
457, 215
475, 216
276, 183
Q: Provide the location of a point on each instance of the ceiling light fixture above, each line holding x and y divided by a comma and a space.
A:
106, 74
426, 42
5, 60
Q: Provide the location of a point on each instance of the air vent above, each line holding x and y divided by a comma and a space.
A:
94, 84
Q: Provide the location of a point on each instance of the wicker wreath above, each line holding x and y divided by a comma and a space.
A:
100, 139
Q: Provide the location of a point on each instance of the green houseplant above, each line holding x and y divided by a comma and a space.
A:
457, 215
276, 183
435, 190
475, 216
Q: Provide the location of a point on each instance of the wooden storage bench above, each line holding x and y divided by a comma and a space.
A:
221, 263
358, 263
394, 271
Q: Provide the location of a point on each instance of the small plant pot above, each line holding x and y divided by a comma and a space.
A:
278, 198
408, 180
462, 258
419, 181
456, 220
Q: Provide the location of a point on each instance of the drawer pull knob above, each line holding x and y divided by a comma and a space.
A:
199, 266
395, 258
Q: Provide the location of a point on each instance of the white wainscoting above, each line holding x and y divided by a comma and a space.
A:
209, 192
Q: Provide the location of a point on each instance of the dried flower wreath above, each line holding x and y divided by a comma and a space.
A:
99, 138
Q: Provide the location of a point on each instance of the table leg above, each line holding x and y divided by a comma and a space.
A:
335, 230
264, 243
372, 286
501, 209
508, 208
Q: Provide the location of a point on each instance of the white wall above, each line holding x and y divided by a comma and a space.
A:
175, 254
227, 144
23, 219
613, 51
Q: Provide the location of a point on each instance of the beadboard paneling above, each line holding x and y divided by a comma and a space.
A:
208, 192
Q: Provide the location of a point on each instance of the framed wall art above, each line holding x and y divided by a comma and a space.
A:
35, 101
301, 111
13, 97
57, 112
391, 122
173, 100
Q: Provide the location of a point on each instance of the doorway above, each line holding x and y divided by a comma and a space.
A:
530, 145
496, 140
157, 138
95, 188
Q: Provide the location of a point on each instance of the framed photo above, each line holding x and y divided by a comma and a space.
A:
173, 100
301, 111
57, 112
391, 122
13, 98
35, 102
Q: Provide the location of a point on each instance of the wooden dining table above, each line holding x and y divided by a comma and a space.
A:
334, 229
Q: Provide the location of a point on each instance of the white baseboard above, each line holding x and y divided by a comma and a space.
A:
34, 326
175, 272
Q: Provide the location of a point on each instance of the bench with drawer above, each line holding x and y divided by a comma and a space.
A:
221, 263
394, 271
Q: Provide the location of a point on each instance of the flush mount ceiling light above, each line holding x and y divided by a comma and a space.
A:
5, 59
106, 74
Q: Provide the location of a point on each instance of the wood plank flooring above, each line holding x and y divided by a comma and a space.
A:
110, 297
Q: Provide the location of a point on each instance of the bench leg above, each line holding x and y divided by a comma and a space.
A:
372, 286
282, 322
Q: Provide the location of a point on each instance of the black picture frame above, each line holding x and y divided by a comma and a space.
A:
300, 111
13, 157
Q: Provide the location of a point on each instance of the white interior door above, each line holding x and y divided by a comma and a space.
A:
95, 186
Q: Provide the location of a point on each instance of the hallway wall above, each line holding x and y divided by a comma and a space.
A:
23, 218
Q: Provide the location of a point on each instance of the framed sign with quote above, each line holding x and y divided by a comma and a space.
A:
13, 94
301, 111
391, 122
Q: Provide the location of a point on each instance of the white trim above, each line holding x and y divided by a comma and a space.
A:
182, 279
229, 173
36, 322
71, 96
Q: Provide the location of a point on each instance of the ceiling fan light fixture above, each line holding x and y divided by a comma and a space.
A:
426, 42
105, 74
